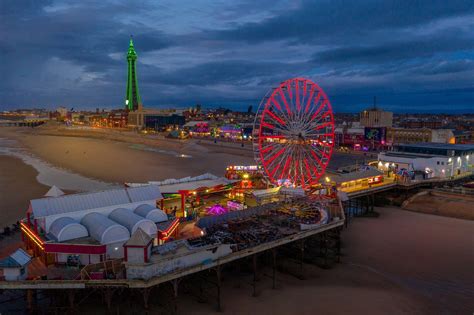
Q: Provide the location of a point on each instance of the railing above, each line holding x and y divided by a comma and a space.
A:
113, 266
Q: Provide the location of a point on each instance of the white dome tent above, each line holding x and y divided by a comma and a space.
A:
107, 232
66, 228
132, 221
151, 213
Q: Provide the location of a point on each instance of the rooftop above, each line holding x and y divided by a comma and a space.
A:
410, 155
442, 146
18, 259
92, 200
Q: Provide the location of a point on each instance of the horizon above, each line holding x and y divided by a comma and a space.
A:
243, 108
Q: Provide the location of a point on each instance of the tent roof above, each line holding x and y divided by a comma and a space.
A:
173, 185
54, 192
132, 221
62, 224
194, 185
152, 213
99, 226
139, 238
76, 202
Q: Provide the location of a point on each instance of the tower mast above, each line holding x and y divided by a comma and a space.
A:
132, 99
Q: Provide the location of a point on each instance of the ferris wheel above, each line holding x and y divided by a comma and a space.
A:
293, 134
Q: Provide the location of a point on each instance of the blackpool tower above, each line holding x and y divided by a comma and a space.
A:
132, 99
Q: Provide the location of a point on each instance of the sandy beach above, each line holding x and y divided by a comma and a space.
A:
18, 185
400, 263
119, 161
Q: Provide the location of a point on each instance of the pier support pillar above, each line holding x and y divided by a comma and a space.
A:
302, 259
30, 301
175, 284
254, 282
108, 294
239, 272
219, 279
71, 294
274, 266
338, 246
146, 295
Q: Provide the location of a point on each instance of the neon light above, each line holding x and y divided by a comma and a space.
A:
288, 88
32, 236
275, 117
297, 86
284, 101
288, 161
217, 209
307, 167
274, 170
272, 137
267, 149
264, 124
275, 103
165, 235
270, 160
311, 93
323, 125
320, 108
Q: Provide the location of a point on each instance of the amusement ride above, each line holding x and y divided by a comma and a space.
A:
293, 134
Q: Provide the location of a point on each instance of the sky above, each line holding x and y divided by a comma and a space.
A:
414, 55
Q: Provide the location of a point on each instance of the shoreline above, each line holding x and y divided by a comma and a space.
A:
18, 184
115, 161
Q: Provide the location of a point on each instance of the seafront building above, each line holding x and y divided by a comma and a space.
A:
416, 135
429, 159
376, 117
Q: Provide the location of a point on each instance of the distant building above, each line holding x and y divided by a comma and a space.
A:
155, 119
403, 135
117, 118
419, 123
375, 117
62, 112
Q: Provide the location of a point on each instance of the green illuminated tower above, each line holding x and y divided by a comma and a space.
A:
132, 99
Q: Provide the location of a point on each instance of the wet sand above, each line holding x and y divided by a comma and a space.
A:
114, 161
18, 185
442, 203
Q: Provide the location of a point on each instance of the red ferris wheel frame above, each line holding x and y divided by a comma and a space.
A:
293, 135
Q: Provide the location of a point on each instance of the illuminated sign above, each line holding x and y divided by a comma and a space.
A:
244, 168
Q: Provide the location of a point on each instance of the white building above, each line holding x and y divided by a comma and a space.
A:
434, 159
15, 266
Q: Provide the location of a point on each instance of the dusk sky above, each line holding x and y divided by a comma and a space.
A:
415, 55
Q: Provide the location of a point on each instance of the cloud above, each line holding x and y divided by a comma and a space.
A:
70, 52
